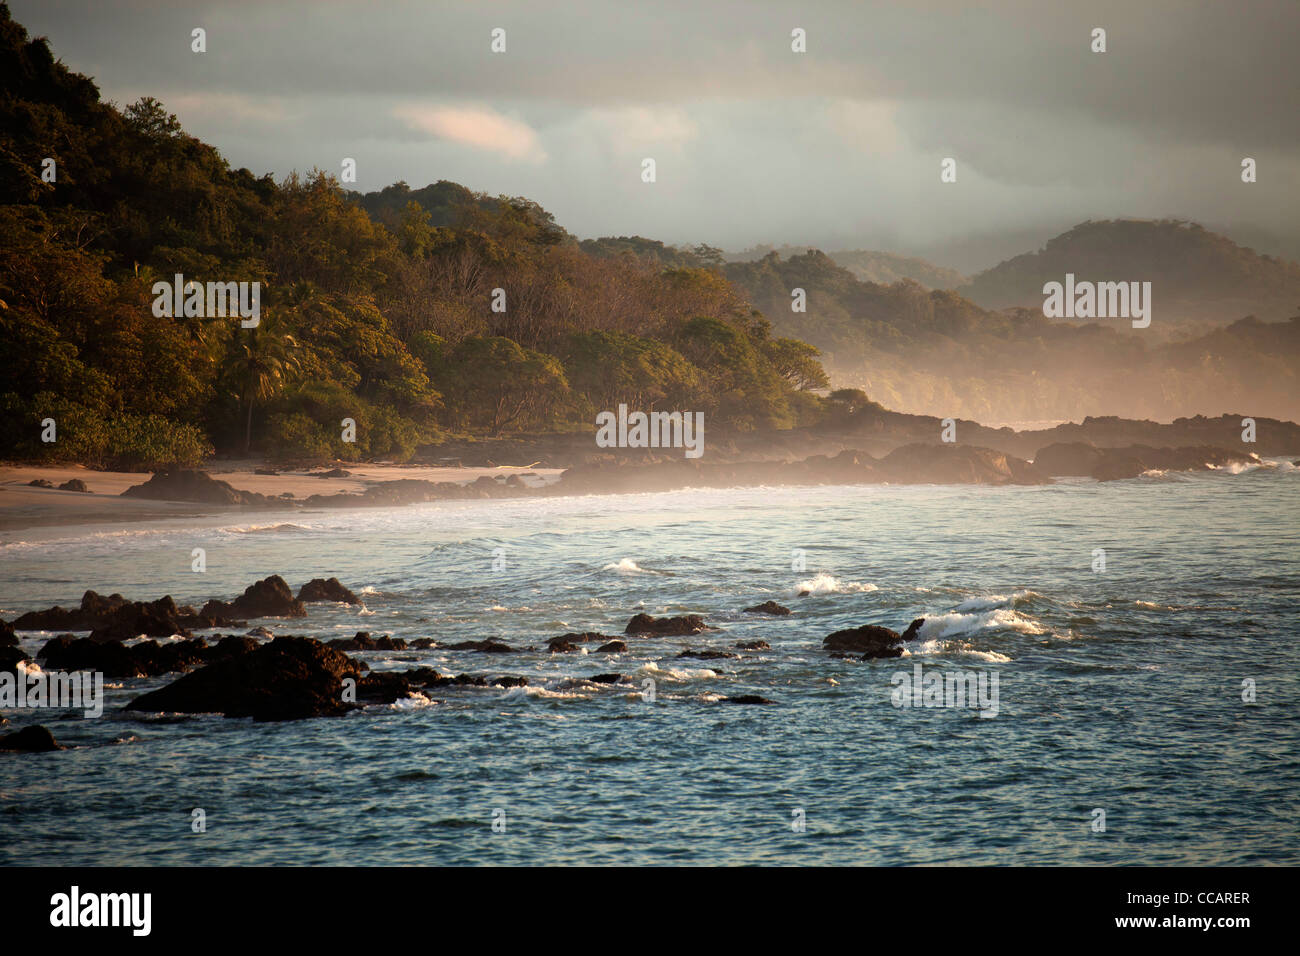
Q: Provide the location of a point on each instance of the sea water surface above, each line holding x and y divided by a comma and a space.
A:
1119, 690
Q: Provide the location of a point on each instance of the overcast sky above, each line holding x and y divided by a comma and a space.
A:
838, 147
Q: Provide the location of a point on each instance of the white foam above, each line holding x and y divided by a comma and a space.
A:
823, 583
626, 566
958, 624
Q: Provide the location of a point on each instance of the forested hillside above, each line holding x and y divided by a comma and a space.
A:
376, 309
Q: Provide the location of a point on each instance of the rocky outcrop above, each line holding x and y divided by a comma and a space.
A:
184, 484
1113, 464
326, 589
31, 740
288, 679
872, 641
270, 597
768, 607
114, 659
487, 647
114, 618
362, 641
74, 484
10, 658
666, 626
7, 636
613, 647
753, 646
952, 464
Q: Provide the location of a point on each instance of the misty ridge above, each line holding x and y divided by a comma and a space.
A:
380, 309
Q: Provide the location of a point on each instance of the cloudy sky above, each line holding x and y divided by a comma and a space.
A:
838, 147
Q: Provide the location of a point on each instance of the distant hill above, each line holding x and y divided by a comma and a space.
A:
866, 265
888, 268
1195, 274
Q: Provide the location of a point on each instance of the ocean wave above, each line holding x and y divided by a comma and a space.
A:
823, 583
675, 673
530, 690
930, 648
959, 624
627, 566
996, 601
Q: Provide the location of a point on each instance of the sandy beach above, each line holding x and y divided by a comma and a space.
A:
23, 506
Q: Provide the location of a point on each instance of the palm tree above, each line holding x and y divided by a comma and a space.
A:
261, 365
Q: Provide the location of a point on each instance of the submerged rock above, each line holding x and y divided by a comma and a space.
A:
871, 640
746, 699
753, 646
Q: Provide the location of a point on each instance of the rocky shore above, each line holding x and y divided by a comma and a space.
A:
291, 677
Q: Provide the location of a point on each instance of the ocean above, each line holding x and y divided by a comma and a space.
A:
1146, 712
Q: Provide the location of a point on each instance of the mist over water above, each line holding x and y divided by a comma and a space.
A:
1118, 690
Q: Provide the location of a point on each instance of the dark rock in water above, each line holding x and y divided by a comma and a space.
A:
510, 681
568, 643
233, 645
613, 647
804, 593
74, 484
288, 679
1068, 458
423, 643
746, 699
605, 678
115, 659
383, 688
950, 463
422, 676
362, 641
260, 631
114, 618
322, 589
487, 647
1113, 464
31, 740
10, 658
184, 484
270, 597
40, 483
753, 646
706, 655
666, 626
872, 641
7, 636
160, 618
768, 607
